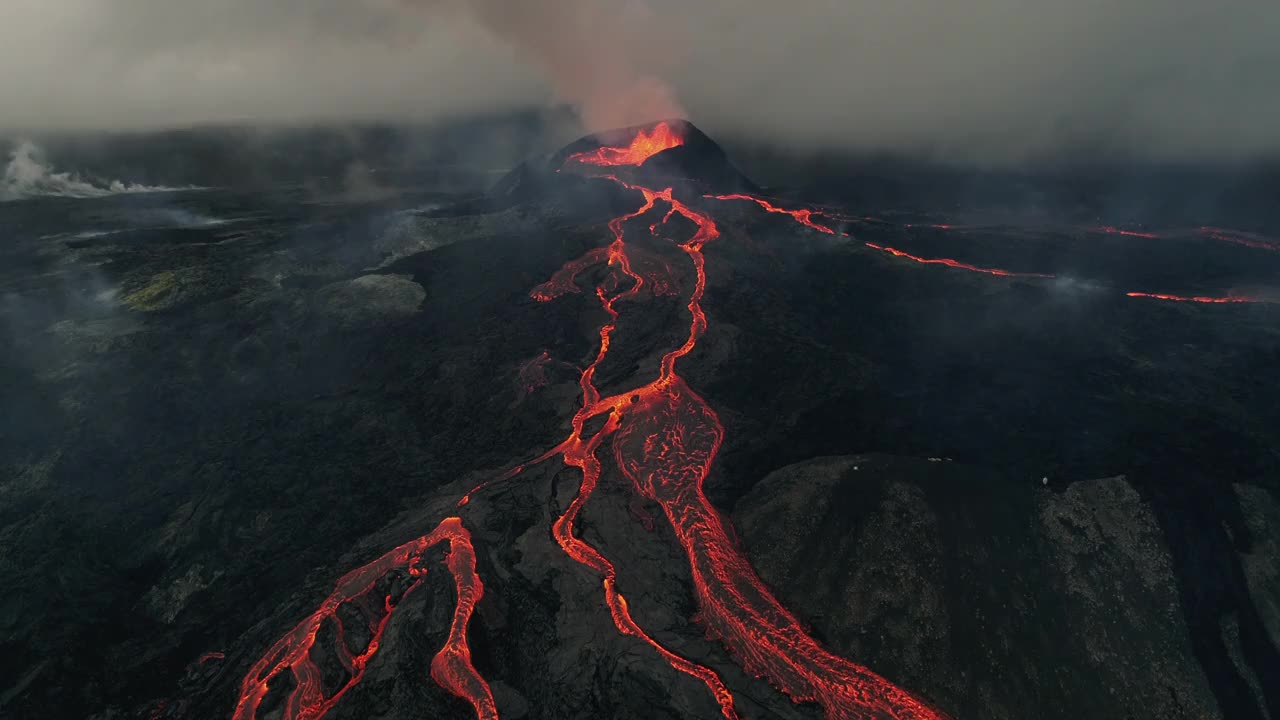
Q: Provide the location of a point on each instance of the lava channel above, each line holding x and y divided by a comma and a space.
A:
451, 668
665, 439
955, 263
1237, 237
804, 216
1203, 299
1111, 230
926, 226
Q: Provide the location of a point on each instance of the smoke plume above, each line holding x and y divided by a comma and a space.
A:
607, 58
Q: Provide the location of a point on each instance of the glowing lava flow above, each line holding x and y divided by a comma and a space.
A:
666, 439
804, 216
451, 668
1208, 300
581, 453
644, 146
1236, 237
937, 227
955, 263
1109, 230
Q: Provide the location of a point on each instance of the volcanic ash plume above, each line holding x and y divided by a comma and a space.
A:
608, 57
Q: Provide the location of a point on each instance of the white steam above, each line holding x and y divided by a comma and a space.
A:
28, 175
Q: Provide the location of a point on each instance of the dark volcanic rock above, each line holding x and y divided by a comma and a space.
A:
205, 429
1259, 552
985, 596
371, 300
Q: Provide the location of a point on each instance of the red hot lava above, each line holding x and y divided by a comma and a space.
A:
645, 145
1208, 300
804, 216
1237, 237
665, 438
935, 227
1108, 229
451, 668
954, 263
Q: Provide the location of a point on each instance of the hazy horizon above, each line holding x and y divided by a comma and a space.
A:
999, 81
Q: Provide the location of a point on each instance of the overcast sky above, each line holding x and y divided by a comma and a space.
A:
998, 78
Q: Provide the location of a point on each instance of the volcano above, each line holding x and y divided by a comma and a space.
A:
663, 153
627, 436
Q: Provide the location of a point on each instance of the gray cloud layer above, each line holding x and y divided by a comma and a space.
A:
993, 78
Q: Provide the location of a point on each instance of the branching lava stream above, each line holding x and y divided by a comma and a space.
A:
451, 668
664, 439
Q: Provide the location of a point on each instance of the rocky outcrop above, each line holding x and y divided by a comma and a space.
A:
371, 300
1261, 511
986, 596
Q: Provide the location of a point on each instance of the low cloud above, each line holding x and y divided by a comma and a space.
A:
996, 79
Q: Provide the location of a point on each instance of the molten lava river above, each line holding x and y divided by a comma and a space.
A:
664, 437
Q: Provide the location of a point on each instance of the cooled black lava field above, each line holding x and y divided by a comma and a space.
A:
674, 437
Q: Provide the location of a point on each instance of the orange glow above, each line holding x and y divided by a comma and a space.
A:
1226, 300
1108, 229
665, 439
954, 263
935, 227
451, 668
1238, 237
210, 656
803, 216
645, 145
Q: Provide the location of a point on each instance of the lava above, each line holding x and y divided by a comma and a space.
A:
532, 375
803, 216
643, 146
666, 447
664, 441
1110, 230
1235, 237
209, 657
577, 451
955, 263
936, 226
451, 668
1238, 237
1208, 300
